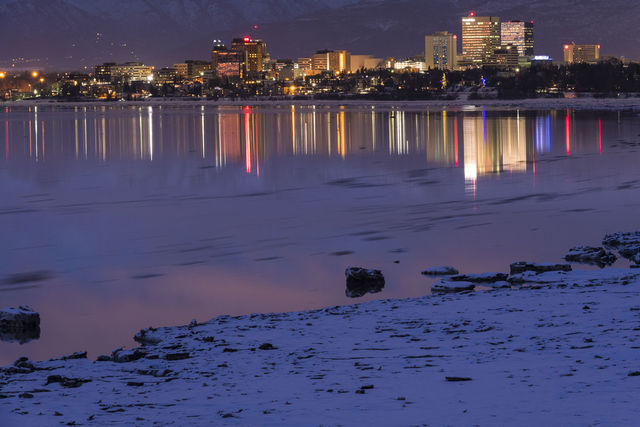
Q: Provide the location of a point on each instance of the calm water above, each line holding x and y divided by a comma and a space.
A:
155, 216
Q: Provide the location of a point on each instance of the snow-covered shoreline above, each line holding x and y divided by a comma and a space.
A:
597, 104
561, 350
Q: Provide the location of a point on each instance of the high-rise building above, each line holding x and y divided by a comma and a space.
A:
164, 76
181, 70
254, 51
480, 38
505, 58
518, 34
338, 61
230, 63
102, 73
441, 50
581, 53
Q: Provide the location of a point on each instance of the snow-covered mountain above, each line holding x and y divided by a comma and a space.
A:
73, 33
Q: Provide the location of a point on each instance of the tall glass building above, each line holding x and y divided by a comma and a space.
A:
480, 38
518, 34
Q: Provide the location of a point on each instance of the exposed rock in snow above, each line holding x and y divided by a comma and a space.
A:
522, 266
480, 278
361, 281
590, 255
613, 276
500, 285
440, 271
627, 244
20, 324
148, 336
445, 285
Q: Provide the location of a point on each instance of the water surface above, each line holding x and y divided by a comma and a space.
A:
157, 215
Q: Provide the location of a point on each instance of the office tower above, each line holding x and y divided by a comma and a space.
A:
230, 63
331, 60
505, 58
102, 73
581, 53
480, 38
218, 46
164, 76
441, 50
131, 72
181, 70
254, 51
518, 34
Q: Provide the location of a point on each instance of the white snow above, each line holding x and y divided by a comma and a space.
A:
444, 285
565, 353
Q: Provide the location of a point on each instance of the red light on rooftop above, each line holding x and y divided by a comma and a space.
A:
566, 46
472, 14
246, 39
455, 37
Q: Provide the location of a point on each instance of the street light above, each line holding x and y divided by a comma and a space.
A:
34, 74
3, 74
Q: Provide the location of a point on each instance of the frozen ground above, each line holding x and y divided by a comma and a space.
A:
562, 350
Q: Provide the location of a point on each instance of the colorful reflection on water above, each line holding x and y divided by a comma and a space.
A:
154, 215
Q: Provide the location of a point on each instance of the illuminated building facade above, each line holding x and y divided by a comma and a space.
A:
338, 61
181, 69
230, 63
255, 52
589, 53
131, 72
518, 34
102, 73
165, 76
480, 38
506, 58
440, 50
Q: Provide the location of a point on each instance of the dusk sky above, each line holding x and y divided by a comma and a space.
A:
83, 33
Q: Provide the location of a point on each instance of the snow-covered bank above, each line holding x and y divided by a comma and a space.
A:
562, 350
596, 104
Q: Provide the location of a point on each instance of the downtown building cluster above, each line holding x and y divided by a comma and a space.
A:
486, 42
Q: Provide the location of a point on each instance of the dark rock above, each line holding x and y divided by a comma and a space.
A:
627, 244
124, 356
361, 281
521, 267
135, 384
267, 346
176, 356
76, 355
440, 271
21, 324
448, 286
148, 336
66, 382
480, 278
590, 255
634, 374
104, 358
25, 396
457, 379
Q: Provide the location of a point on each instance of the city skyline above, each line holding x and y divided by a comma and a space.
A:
397, 35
